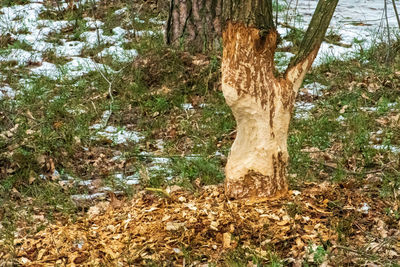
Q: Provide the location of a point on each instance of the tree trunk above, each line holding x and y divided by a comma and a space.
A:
194, 24
261, 102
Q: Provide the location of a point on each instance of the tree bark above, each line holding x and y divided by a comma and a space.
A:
194, 24
261, 102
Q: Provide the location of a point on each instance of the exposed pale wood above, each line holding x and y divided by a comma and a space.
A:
262, 103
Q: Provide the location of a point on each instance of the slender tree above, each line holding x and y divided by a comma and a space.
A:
261, 101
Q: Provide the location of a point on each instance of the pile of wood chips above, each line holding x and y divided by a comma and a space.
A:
203, 227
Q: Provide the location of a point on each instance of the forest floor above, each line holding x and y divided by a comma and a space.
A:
112, 148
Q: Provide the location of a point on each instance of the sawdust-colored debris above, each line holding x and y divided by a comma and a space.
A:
158, 229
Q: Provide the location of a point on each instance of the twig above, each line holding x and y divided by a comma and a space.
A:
110, 83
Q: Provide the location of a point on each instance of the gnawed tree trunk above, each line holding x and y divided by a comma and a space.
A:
194, 24
261, 102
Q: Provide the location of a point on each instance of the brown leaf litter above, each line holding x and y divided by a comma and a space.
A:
150, 228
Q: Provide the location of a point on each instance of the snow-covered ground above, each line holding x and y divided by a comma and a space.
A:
357, 22
23, 23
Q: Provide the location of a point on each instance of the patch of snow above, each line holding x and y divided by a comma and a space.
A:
81, 66
158, 164
54, 176
85, 183
328, 52
26, 84
75, 111
97, 37
132, 182
314, 89
121, 11
357, 22
187, 106
365, 208
296, 192
42, 29
69, 48
340, 118
141, 33
47, 69
25, 18
106, 189
105, 117
83, 197
128, 180
119, 176
6, 91
136, 19
119, 32
158, 160
284, 43
156, 168
369, 109
118, 136
160, 144
93, 24
96, 126
156, 21
42, 46
219, 154
391, 148
83, 2
50, 26
19, 17
79, 244
390, 106
117, 158
22, 57
282, 60
302, 110
118, 53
